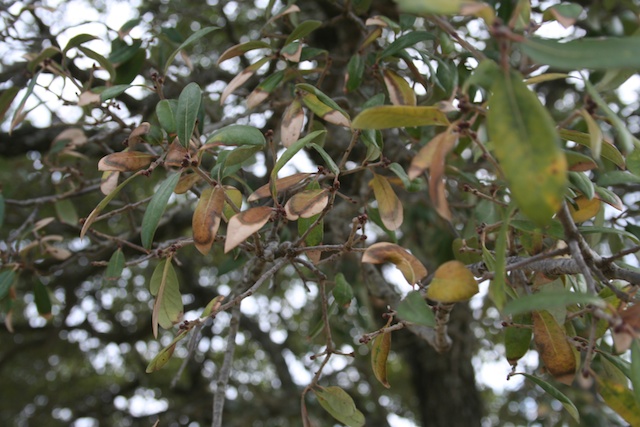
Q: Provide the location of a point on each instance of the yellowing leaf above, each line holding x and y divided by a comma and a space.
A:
234, 196
244, 224
206, 218
398, 116
382, 252
168, 308
554, 349
126, 161
389, 206
324, 111
306, 203
282, 184
400, 93
620, 399
527, 147
292, 121
452, 282
186, 181
379, 354
585, 210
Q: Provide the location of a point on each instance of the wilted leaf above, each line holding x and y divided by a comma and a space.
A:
126, 161
452, 282
167, 309
400, 93
518, 338
389, 205
187, 112
87, 98
554, 349
382, 252
264, 89
397, 116
306, 203
71, 138
156, 208
282, 184
527, 147
241, 78
213, 305
115, 266
340, 405
244, 224
206, 218
379, 354
292, 52
413, 308
292, 121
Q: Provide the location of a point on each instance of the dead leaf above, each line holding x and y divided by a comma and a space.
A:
306, 203
282, 184
389, 205
380, 253
244, 224
126, 161
206, 218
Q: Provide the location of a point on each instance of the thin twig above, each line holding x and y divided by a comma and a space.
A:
225, 370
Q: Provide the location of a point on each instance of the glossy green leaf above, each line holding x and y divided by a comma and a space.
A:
188, 42
6, 281
302, 30
600, 53
339, 405
550, 300
42, 299
164, 285
342, 291
556, 394
379, 354
156, 208
115, 266
413, 308
165, 111
404, 42
187, 112
527, 147
237, 135
397, 116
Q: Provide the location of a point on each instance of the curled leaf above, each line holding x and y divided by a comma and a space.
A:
244, 224
206, 218
389, 205
382, 252
282, 184
379, 354
126, 161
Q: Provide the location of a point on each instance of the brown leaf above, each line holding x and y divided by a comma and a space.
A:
244, 224
235, 83
75, 137
256, 97
555, 351
109, 182
382, 252
186, 181
389, 205
136, 135
87, 98
443, 144
400, 93
306, 203
176, 155
126, 161
292, 121
452, 282
206, 218
282, 184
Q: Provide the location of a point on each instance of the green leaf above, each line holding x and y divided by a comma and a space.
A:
517, 339
608, 230
404, 42
440, 7
600, 53
623, 365
355, 71
292, 150
104, 63
2, 209
165, 112
322, 97
622, 400
111, 92
327, 158
237, 135
6, 98
65, 210
156, 208
550, 300
122, 52
77, 41
45, 54
582, 183
617, 178
188, 42
397, 116
635, 368
187, 112
400, 173
342, 291
339, 405
42, 299
302, 30
527, 147
115, 266
556, 394
497, 287
165, 354
6, 281
413, 308
164, 285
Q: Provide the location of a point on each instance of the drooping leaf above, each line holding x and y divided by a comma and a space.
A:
556, 394
115, 266
452, 282
389, 205
264, 89
324, 111
241, 78
206, 218
281, 184
555, 351
77, 41
527, 147
608, 150
125, 161
379, 354
413, 308
156, 209
411, 268
244, 224
397, 116
164, 285
241, 49
306, 203
188, 42
600, 53
42, 299
339, 405
187, 112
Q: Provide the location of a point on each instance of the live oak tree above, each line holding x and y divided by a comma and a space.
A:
208, 220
